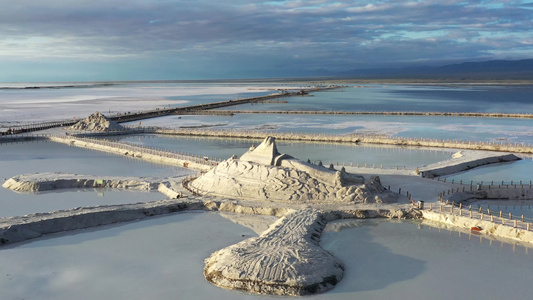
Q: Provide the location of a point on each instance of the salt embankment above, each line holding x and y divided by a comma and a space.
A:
264, 174
151, 155
492, 192
284, 260
21, 228
351, 138
485, 225
383, 113
39, 182
465, 160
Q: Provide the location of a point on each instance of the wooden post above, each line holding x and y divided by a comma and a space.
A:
492, 219
470, 214
481, 216
500, 213
515, 224
510, 216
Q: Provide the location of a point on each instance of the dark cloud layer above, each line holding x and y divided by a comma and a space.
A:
206, 39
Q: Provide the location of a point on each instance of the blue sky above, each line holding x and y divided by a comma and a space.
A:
78, 40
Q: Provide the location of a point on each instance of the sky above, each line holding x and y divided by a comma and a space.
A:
97, 40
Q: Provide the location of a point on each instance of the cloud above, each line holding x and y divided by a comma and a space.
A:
332, 35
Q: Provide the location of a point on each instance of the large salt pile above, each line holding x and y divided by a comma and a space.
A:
97, 122
264, 174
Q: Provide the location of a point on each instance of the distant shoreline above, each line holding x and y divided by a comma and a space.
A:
481, 81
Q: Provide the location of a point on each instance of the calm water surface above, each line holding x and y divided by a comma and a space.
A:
163, 257
429, 127
37, 157
452, 98
327, 153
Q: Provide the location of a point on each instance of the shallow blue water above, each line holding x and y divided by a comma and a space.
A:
327, 153
515, 171
429, 127
37, 157
508, 99
163, 258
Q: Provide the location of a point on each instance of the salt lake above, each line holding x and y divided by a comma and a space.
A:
162, 257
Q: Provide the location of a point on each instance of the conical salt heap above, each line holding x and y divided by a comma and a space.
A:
97, 122
264, 174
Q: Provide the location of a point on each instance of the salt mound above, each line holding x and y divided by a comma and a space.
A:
284, 260
264, 174
97, 122
458, 154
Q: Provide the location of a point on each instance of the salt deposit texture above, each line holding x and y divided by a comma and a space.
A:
292, 207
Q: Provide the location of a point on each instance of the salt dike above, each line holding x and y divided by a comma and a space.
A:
264, 174
97, 122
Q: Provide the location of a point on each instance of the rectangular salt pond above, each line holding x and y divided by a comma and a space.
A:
15, 204
515, 171
162, 258
43, 156
438, 98
498, 130
325, 152
37, 157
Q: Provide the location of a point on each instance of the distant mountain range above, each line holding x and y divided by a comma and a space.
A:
497, 69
